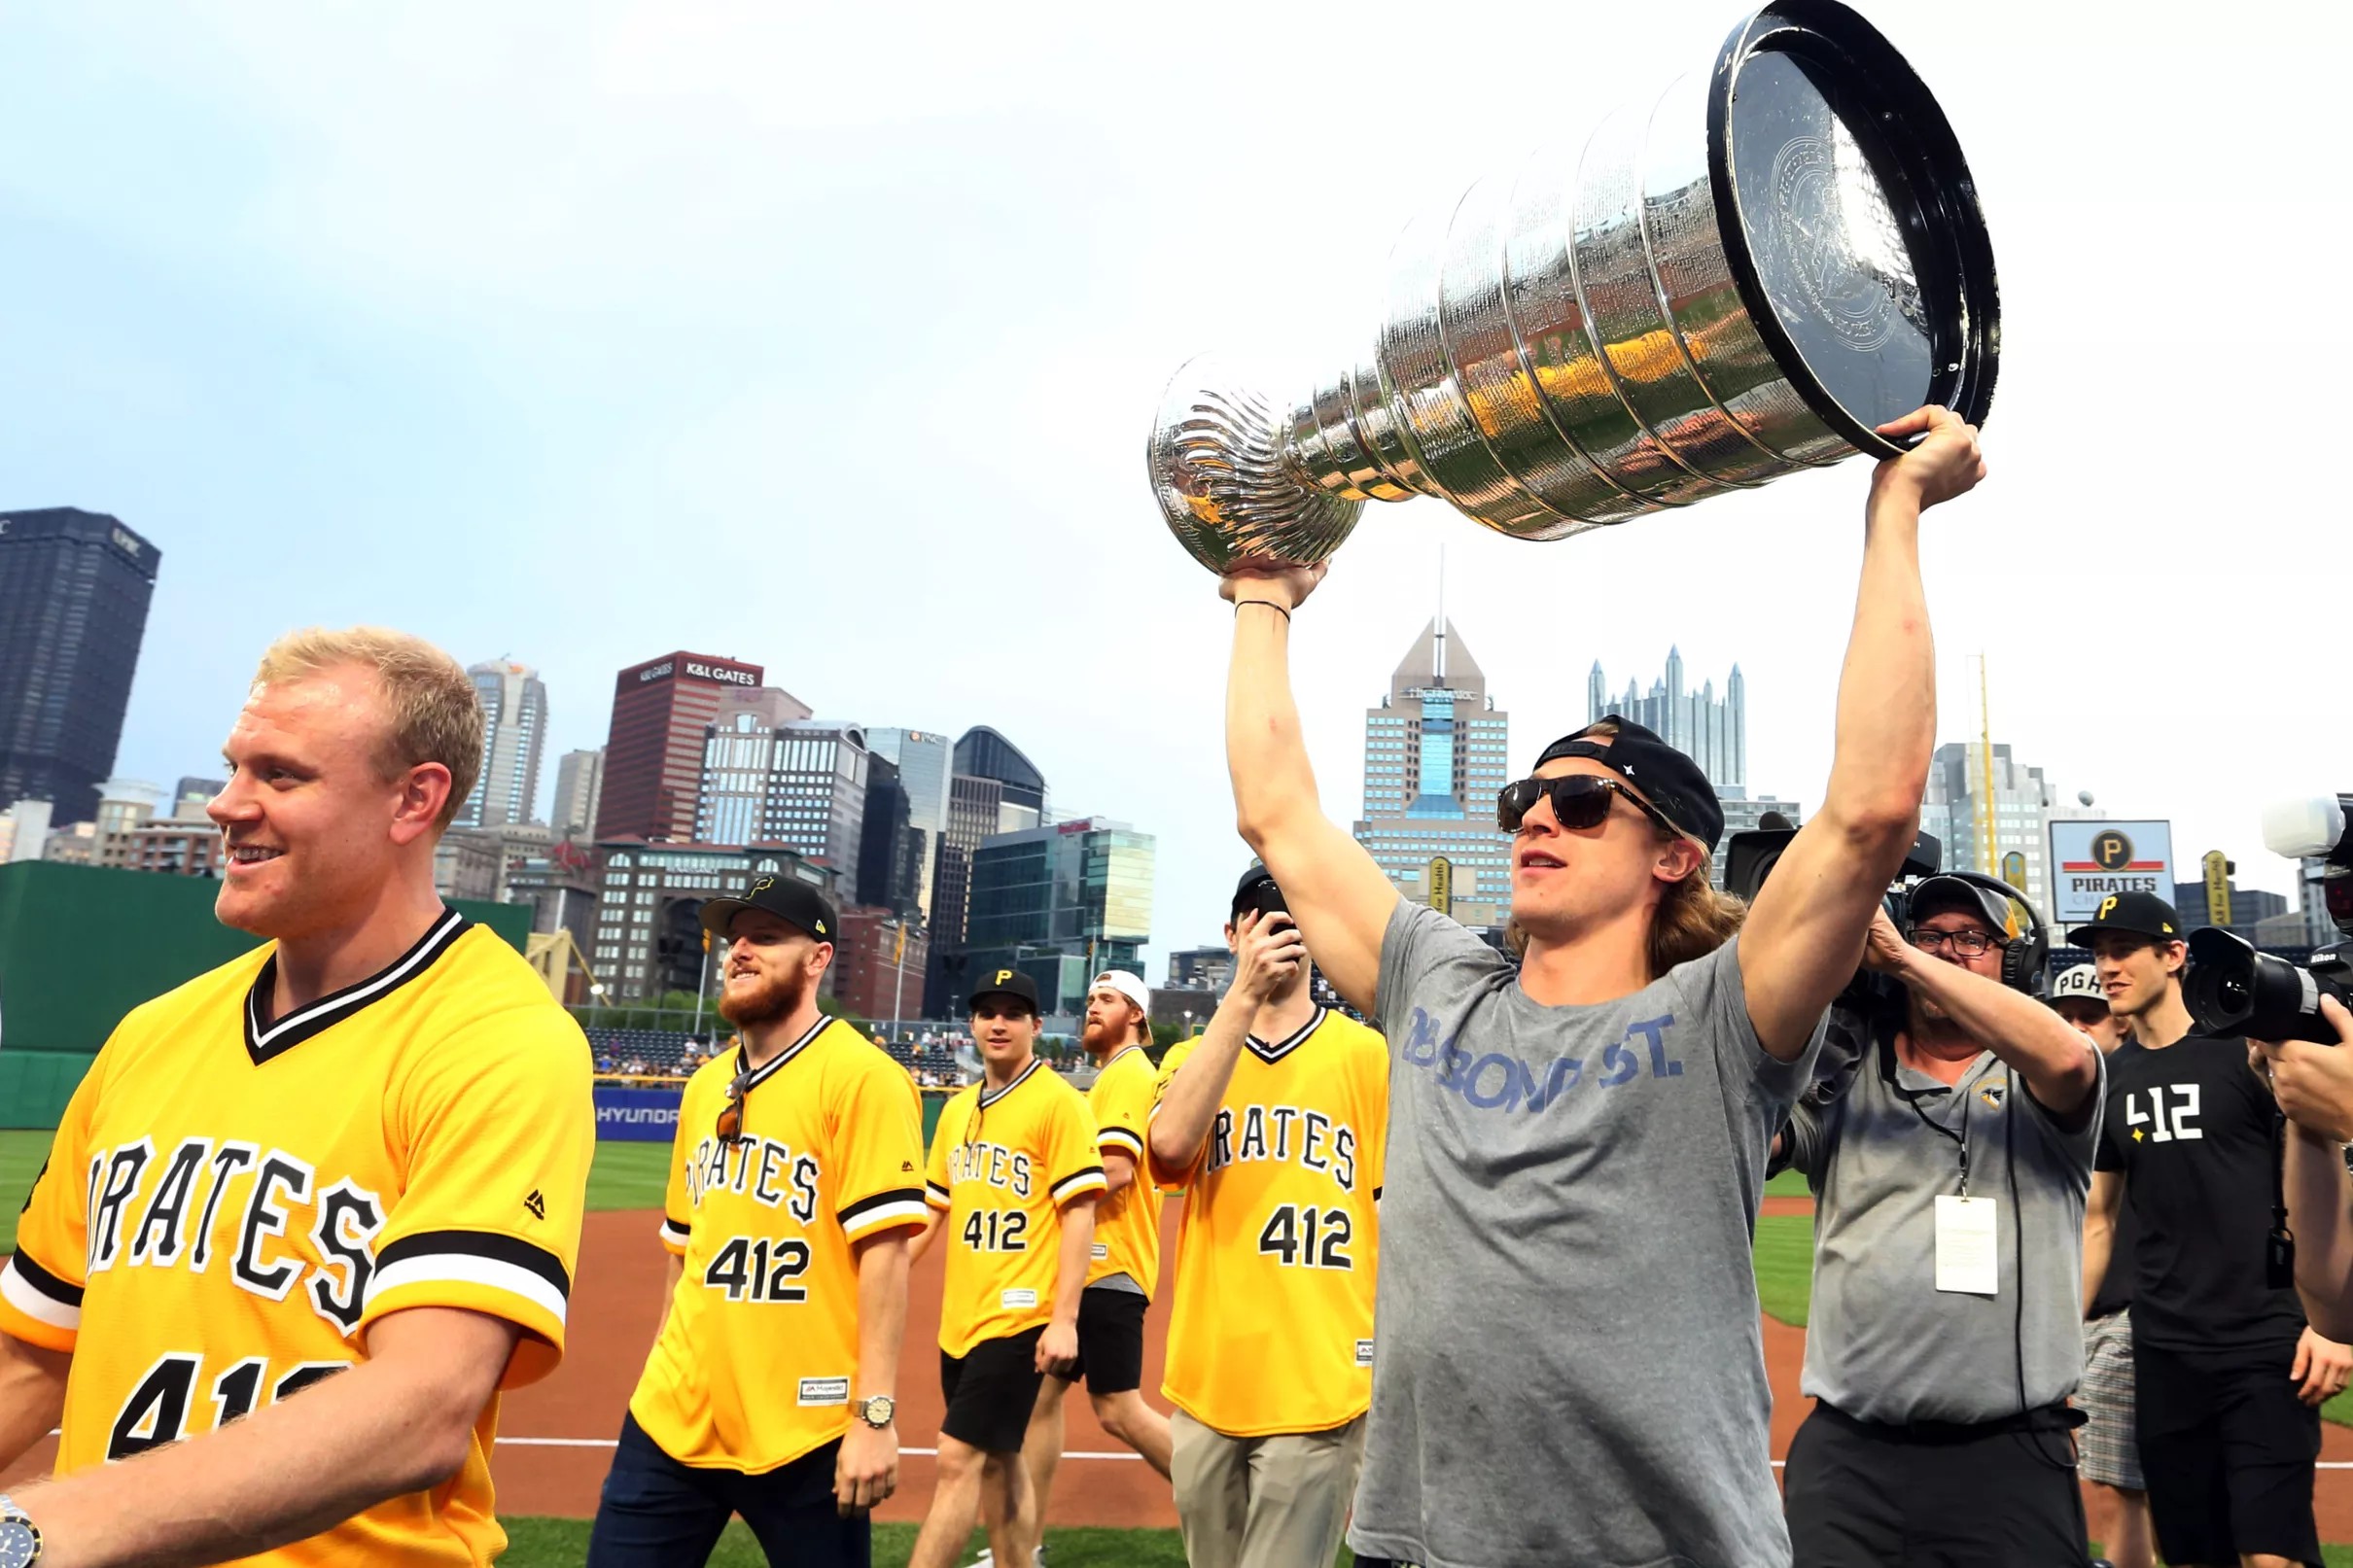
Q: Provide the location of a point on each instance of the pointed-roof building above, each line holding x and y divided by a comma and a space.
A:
1436, 753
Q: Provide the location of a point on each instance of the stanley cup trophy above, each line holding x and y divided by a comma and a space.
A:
1738, 279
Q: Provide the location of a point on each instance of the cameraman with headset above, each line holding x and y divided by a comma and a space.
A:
1950, 1169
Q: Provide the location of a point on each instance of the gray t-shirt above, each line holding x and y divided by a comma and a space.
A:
1568, 1367
1885, 1344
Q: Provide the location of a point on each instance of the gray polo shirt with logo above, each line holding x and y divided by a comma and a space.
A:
1884, 1343
1568, 1366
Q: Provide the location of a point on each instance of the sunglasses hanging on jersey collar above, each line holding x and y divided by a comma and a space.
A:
732, 1114
1580, 801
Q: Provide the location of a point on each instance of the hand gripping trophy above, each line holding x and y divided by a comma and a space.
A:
1741, 278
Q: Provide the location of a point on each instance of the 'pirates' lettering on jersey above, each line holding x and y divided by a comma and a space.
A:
230, 1205
1005, 1163
1280, 1213
1127, 1223
767, 1230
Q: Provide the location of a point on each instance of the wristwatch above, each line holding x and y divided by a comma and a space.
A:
20, 1537
875, 1409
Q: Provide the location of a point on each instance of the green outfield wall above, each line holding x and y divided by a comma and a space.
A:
81, 946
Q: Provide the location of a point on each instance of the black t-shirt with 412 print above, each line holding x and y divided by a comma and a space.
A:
2194, 1132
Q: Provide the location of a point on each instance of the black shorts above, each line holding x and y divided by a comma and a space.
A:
1111, 1341
1859, 1494
2226, 1449
991, 1391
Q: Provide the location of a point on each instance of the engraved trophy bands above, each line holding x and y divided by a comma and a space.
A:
1738, 279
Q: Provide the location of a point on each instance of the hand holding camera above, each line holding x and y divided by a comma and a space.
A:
2312, 1083
1268, 953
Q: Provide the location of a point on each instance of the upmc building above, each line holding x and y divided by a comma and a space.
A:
653, 752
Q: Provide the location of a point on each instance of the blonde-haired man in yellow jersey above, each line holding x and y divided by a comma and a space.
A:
1274, 1120
1013, 1183
311, 1212
1125, 1268
793, 1188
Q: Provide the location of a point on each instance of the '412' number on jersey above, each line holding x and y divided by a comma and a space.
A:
2163, 1122
997, 1230
759, 1270
1313, 1239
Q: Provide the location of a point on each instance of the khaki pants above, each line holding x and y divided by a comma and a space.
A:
1272, 1502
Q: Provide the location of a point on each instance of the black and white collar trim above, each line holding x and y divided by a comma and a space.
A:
990, 1097
761, 1075
1284, 1047
328, 1011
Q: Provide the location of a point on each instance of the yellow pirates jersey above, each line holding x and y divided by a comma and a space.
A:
1272, 1326
757, 1361
1127, 1224
1003, 1164
229, 1206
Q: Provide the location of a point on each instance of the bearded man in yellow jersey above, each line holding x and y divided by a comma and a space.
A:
793, 1190
1126, 1266
1275, 1122
309, 1213
1012, 1184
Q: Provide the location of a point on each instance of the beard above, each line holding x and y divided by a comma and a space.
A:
1101, 1038
771, 997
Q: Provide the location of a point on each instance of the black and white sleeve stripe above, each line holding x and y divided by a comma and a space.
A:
901, 1206
1122, 1138
937, 1196
675, 1233
474, 1258
41, 1294
1087, 1178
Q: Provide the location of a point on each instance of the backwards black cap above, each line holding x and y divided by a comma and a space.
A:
1668, 779
788, 898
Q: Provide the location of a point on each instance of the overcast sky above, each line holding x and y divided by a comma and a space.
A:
828, 338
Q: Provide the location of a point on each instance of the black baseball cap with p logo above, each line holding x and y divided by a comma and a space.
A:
788, 898
2135, 914
1007, 983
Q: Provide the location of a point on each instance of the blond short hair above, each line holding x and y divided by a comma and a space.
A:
435, 715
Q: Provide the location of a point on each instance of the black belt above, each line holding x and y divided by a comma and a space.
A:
2046, 1418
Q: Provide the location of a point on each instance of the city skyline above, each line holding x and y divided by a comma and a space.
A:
324, 359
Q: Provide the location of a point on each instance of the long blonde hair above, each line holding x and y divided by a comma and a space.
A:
435, 714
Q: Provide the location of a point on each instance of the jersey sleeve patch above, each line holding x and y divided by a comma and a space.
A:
40, 1307
1122, 1138
901, 1207
464, 1268
1089, 1178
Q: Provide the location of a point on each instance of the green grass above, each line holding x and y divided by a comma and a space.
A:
20, 1157
1788, 1184
628, 1176
1784, 1260
541, 1542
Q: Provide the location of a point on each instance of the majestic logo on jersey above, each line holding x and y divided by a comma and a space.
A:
176, 1221
1308, 1138
991, 1163
537, 1206
769, 1170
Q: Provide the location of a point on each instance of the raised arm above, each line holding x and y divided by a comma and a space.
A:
1341, 898
2060, 1065
1806, 933
1268, 953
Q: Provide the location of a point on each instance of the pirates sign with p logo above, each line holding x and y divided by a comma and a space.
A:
2111, 850
2094, 861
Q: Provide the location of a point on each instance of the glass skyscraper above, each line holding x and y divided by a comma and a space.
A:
514, 731
1062, 904
1711, 732
74, 592
1436, 754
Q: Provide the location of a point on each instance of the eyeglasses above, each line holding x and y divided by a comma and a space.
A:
732, 1114
1580, 801
1967, 944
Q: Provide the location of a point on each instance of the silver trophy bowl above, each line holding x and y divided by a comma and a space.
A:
1738, 278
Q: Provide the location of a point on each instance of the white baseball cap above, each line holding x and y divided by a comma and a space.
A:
1130, 986
2081, 983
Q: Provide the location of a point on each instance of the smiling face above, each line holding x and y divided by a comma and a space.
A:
317, 822
773, 968
2138, 972
1566, 880
1005, 1030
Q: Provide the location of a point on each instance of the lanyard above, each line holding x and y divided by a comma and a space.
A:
1960, 1139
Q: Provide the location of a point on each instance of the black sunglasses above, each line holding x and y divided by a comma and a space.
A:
732, 1114
1579, 801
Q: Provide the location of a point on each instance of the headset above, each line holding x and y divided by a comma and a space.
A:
2025, 954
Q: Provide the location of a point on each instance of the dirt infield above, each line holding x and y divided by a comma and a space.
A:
556, 1437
